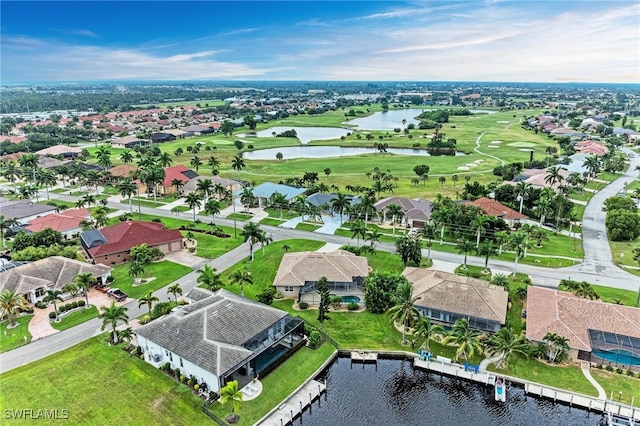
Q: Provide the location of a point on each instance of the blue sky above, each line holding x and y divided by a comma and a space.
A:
492, 40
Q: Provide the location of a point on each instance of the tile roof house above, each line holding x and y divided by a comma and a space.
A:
68, 222
61, 150
298, 274
265, 191
123, 170
446, 297
494, 208
35, 278
591, 147
228, 184
220, 337
24, 210
111, 245
416, 211
129, 142
596, 330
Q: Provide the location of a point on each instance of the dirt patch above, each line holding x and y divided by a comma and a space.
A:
156, 404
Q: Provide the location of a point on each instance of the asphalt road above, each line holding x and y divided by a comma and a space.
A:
597, 268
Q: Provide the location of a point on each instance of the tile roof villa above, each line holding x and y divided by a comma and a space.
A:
494, 208
446, 297
221, 337
597, 331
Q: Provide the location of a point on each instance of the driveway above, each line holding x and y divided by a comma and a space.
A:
183, 257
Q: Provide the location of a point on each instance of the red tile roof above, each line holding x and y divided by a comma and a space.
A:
494, 208
175, 172
124, 235
61, 222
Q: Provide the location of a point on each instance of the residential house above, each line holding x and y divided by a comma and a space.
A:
494, 208
416, 212
64, 151
221, 337
265, 191
179, 172
598, 332
444, 297
228, 184
123, 170
162, 137
298, 274
111, 245
52, 273
590, 147
198, 129
129, 142
68, 222
24, 210
324, 201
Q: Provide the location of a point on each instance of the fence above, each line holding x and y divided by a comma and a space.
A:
211, 415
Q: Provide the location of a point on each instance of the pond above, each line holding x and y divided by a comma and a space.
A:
393, 119
393, 393
305, 134
293, 152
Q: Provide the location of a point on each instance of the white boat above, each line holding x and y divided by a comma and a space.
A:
500, 390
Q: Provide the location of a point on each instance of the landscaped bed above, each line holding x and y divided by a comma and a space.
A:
100, 384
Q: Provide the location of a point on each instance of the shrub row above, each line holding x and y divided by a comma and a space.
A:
67, 307
618, 370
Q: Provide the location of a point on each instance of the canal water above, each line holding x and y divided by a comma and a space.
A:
391, 392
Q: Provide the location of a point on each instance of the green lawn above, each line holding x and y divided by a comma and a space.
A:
99, 384
143, 203
271, 222
239, 216
210, 246
75, 318
164, 272
307, 227
614, 383
279, 384
14, 337
559, 376
613, 295
384, 261
622, 252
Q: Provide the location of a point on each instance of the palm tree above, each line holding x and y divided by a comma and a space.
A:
396, 213
538, 235
442, 180
238, 163
500, 279
557, 345
126, 335
518, 242
6, 224
53, 296
279, 201
127, 188
544, 208
479, 223
11, 303
135, 270
404, 310
88, 199
196, 162
486, 249
466, 339
584, 289
148, 300
247, 198
339, 204
506, 342
231, 393
358, 230
373, 237
593, 165
152, 176
84, 281
428, 231
47, 178
366, 206
464, 247
251, 233
208, 278
176, 290
111, 316
177, 184
553, 176
165, 159
205, 188
427, 330
193, 201
501, 237
213, 208
522, 192
11, 172
241, 278
126, 157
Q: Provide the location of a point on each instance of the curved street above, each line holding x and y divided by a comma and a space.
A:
597, 268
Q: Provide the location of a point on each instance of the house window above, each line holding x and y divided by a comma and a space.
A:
105, 258
170, 357
181, 364
288, 288
118, 255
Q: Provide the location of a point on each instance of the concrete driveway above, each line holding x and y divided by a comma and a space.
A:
183, 257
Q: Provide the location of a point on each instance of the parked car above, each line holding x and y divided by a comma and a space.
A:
103, 288
117, 294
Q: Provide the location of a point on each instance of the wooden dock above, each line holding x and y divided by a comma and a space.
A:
362, 356
293, 406
612, 409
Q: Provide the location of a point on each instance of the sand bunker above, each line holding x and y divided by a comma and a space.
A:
493, 146
471, 165
495, 142
463, 168
522, 144
503, 122
525, 149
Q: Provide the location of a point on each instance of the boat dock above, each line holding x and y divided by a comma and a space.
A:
293, 406
617, 413
362, 356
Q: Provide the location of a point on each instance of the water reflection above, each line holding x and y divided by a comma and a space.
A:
292, 152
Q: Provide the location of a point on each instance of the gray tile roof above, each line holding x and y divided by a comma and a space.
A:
52, 272
210, 332
338, 266
18, 209
414, 209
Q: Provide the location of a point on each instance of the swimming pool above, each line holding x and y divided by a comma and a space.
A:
350, 299
619, 356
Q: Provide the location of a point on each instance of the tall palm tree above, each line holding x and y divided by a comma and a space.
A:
176, 290
148, 299
279, 201
486, 249
465, 247
518, 243
11, 172
553, 176
584, 289
358, 230
152, 176
428, 231
193, 200
112, 315
205, 188
238, 163
252, 234
135, 270
6, 224
127, 188
373, 237
11, 303
53, 296
557, 345
500, 238
208, 277
404, 310
213, 208
88, 199
505, 343
247, 198
84, 281
367, 206
466, 339
396, 213
165, 159
543, 208
196, 162
241, 278
230, 392
427, 330
522, 191
593, 165
480, 224
126, 157
47, 178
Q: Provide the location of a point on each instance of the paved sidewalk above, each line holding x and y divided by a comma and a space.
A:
601, 393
